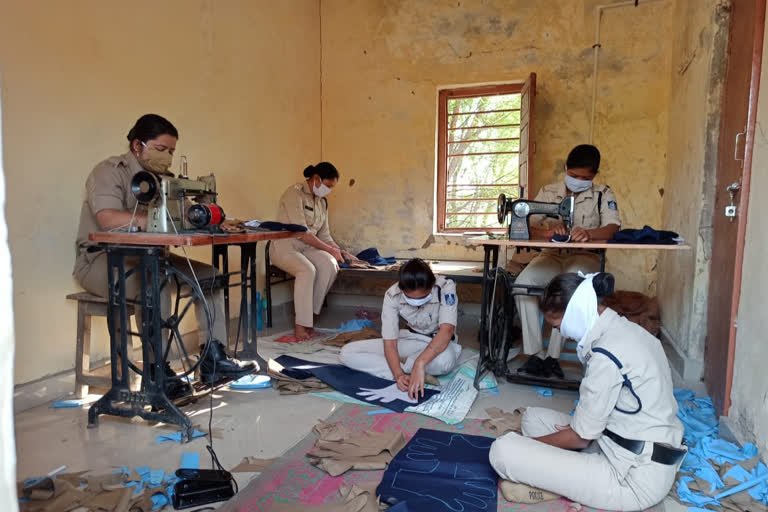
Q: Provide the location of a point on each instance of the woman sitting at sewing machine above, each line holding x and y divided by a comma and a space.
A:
596, 217
313, 259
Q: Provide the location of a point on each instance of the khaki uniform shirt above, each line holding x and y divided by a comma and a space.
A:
299, 206
590, 210
442, 308
645, 364
108, 187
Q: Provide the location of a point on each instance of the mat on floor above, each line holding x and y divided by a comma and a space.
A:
293, 480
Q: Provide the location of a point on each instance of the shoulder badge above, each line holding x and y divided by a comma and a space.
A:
450, 299
612, 205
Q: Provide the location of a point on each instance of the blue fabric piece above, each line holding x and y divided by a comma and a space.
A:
280, 226
176, 436
68, 404
372, 256
688, 496
252, 382
760, 491
349, 381
190, 460
698, 417
159, 501
156, 477
684, 395
647, 235
358, 324
441, 471
708, 473
543, 391
379, 411
722, 451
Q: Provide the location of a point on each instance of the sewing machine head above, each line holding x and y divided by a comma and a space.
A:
167, 196
521, 209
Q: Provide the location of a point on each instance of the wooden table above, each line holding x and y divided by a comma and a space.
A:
154, 272
493, 352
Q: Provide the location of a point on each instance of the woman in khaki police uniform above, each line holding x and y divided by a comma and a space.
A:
626, 404
596, 217
428, 346
111, 206
313, 259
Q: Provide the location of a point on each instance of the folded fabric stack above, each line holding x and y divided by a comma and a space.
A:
290, 385
647, 235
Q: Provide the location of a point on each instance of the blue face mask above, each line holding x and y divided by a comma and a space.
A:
576, 185
417, 302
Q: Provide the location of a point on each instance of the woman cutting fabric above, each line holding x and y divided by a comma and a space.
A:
313, 259
626, 405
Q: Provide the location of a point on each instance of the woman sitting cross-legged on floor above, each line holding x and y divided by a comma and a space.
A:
429, 346
622, 447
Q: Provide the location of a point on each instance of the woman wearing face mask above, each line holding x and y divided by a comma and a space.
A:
313, 259
110, 205
626, 406
596, 217
429, 346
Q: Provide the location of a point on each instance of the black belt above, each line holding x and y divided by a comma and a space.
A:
662, 454
94, 248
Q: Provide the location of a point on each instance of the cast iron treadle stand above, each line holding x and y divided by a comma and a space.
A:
151, 403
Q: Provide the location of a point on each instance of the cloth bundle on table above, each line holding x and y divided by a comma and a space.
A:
647, 235
337, 450
372, 256
274, 226
441, 471
357, 384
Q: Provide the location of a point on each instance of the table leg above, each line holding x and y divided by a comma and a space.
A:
221, 263
485, 350
249, 271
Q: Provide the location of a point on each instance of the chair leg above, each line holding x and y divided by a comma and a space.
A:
82, 350
268, 285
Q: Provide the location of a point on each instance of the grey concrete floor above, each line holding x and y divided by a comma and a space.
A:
258, 423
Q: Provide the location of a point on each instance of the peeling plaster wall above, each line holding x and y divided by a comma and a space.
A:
698, 71
748, 415
240, 79
383, 62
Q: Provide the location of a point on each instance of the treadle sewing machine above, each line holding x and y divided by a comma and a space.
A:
521, 209
167, 202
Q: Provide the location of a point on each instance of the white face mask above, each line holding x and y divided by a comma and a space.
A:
580, 314
417, 302
576, 185
322, 190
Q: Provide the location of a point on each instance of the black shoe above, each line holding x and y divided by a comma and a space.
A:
174, 387
552, 367
534, 366
225, 366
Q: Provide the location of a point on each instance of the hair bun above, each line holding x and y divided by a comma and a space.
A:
309, 171
603, 284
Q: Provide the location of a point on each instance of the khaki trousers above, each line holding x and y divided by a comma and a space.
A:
368, 355
93, 277
586, 477
314, 270
539, 272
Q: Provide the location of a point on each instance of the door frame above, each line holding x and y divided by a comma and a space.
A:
743, 203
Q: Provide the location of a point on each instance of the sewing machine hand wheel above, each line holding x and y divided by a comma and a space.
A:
501, 208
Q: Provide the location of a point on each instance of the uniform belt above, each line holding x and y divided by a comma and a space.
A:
662, 454
94, 248
429, 335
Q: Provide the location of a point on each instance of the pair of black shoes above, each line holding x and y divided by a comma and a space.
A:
215, 366
538, 367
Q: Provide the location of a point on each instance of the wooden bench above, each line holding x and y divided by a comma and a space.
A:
88, 306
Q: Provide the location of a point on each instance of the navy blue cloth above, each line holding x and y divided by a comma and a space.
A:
280, 226
346, 380
372, 256
647, 235
441, 472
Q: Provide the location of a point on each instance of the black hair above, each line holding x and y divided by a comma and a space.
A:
584, 155
325, 170
151, 126
560, 290
415, 274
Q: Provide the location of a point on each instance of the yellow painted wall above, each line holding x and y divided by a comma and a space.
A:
240, 79
697, 74
383, 62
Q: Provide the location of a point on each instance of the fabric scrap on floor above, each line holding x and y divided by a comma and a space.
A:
543, 391
252, 465
502, 422
176, 436
337, 450
366, 333
716, 473
357, 324
294, 385
441, 471
251, 382
357, 384
69, 404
